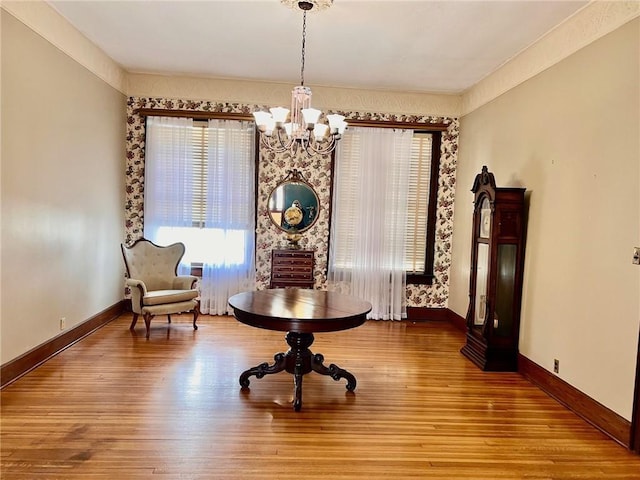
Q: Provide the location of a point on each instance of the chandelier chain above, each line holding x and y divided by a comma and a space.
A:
304, 36
303, 131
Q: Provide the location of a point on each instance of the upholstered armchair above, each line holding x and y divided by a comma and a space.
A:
156, 289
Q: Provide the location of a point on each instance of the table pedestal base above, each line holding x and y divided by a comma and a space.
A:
298, 361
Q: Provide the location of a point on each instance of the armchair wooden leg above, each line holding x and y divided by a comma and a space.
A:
147, 322
134, 321
196, 312
169, 317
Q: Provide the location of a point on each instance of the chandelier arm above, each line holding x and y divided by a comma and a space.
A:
267, 143
263, 141
286, 143
329, 148
273, 144
311, 145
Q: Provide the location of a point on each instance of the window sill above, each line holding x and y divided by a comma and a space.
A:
196, 269
420, 278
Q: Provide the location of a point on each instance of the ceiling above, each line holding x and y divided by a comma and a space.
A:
415, 46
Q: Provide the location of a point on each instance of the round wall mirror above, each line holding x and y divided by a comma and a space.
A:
293, 205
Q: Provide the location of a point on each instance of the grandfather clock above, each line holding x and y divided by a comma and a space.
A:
497, 261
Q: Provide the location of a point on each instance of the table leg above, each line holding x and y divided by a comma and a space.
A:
333, 371
298, 361
264, 369
297, 400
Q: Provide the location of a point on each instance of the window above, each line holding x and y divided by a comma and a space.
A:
186, 194
420, 208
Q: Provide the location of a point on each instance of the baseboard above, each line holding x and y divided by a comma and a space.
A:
422, 314
457, 321
604, 419
14, 369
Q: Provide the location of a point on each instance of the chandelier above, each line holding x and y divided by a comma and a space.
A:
303, 130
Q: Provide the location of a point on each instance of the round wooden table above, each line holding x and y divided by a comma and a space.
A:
300, 313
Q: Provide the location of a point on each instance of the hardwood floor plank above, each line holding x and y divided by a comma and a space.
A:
116, 405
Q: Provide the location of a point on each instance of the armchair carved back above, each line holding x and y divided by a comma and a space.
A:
155, 265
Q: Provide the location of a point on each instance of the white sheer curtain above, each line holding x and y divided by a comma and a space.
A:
369, 218
207, 203
230, 212
168, 175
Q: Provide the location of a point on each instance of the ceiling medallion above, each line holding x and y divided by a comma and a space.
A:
316, 5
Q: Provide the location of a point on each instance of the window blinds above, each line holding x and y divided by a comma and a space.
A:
418, 202
200, 139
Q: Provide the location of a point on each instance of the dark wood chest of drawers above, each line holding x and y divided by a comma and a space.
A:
292, 268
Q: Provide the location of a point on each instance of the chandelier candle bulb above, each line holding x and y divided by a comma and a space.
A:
336, 123
311, 116
320, 131
262, 120
270, 127
288, 127
279, 114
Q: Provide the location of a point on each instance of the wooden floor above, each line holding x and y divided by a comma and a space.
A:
116, 406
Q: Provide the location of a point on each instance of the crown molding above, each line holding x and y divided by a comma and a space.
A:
53, 27
595, 20
263, 93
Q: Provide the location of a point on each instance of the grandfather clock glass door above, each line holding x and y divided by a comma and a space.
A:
495, 287
482, 264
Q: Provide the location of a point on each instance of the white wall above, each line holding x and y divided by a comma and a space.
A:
63, 132
571, 136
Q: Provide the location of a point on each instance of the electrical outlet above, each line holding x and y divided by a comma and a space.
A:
556, 365
63, 322
636, 256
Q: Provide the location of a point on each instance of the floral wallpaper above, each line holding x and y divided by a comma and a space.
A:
317, 171
272, 169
